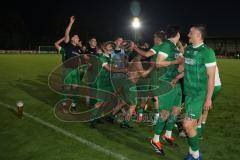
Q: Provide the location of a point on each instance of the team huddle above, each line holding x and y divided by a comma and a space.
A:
171, 75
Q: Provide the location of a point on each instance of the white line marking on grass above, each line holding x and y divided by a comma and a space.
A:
68, 134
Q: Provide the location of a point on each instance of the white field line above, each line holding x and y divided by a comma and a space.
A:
68, 134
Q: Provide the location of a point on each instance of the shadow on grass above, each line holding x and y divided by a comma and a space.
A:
131, 138
38, 89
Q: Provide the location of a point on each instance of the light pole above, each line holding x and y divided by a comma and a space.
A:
136, 25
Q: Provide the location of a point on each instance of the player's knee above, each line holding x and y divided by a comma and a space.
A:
176, 111
155, 99
189, 125
164, 115
132, 109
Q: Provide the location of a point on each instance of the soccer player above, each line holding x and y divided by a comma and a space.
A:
199, 76
118, 59
168, 56
124, 57
203, 118
103, 80
59, 48
71, 73
92, 50
159, 37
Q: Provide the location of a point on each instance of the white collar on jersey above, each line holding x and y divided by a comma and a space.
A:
107, 55
198, 45
171, 41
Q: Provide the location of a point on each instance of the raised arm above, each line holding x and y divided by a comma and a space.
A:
67, 32
57, 44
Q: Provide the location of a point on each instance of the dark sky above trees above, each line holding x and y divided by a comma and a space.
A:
27, 24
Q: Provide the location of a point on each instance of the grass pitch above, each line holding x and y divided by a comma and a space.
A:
24, 77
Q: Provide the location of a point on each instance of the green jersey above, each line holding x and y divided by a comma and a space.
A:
196, 61
155, 49
104, 75
169, 50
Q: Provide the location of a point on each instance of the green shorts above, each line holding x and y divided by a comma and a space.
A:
171, 99
103, 86
123, 87
194, 104
71, 76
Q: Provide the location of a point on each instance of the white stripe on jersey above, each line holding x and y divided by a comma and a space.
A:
217, 78
210, 64
165, 55
153, 51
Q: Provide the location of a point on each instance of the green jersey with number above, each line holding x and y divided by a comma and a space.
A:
171, 52
196, 61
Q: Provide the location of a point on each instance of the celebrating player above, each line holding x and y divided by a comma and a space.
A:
103, 80
70, 49
199, 76
159, 37
169, 103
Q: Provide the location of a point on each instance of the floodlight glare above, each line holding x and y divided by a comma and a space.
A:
136, 23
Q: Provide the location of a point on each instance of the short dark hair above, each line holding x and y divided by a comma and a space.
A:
73, 34
203, 30
160, 34
92, 37
117, 37
172, 31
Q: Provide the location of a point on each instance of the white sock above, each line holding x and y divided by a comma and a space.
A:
87, 100
168, 134
203, 122
156, 116
73, 105
195, 154
190, 150
199, 126
156, 138
140, 114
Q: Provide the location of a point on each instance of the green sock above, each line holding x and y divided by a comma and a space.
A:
199, 131
74, 99
95, 113
125, 122
159, 126
140, 110
171, 122
64, 97
194, 142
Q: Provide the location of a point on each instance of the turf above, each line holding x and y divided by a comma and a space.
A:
24, 77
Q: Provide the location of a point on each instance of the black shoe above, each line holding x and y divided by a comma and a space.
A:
99, 121
73, 110
125, 125
110, 119
93, 124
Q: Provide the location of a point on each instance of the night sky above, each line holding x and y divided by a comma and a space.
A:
27, 24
